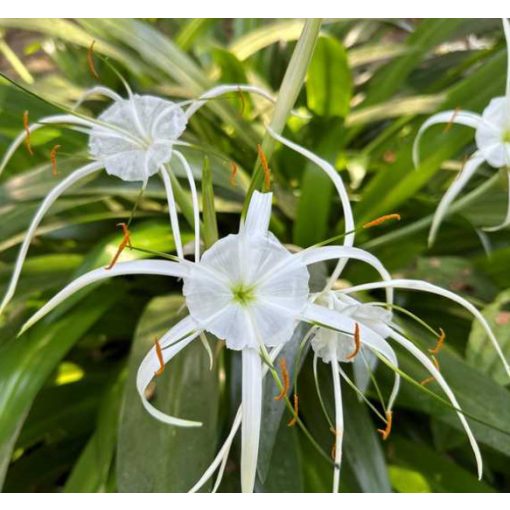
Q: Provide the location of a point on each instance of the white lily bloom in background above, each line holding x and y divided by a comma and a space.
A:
335, 347
133, 139
248, 290
492, 138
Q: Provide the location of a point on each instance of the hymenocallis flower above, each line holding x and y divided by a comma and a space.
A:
335, 347
133, 139
247, 289
492, 137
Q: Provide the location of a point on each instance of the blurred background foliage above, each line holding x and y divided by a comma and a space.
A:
70, 419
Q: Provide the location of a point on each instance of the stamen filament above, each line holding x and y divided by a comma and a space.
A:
357, 342
90, 61
293, 421
387, 430
382, 219
286, 380
233, 174
126, 241
53, 159
440, 342
159, 354
28, 144
265, 167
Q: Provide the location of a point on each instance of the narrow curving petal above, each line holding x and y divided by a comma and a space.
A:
172, 211
194, 200
251, 417
434, 289
69, 181
471, 166
135, 267
506, 29
151, 364
463, 118
506, 222
340, 188
339, 424
97, 90
52, 119
258, 215
225, 448
226, 89
427, 363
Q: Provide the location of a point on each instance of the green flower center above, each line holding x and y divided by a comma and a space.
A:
243, 294
506, 136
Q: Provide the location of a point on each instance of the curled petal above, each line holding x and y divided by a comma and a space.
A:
258, 215
471, 166
506, 221
172, 211
463, 118
69, 181
149, 267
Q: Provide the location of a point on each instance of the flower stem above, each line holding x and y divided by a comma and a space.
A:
291, 85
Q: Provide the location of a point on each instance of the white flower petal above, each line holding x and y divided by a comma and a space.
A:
97, 90
52, 119
363, 365
251, 417
148, 267
60, 188
258, 215
434, 289
150, 365
506, 29
340, 188
463, 118
225, 89
427, 363
194, 201
172, 211
471, 166
339, 425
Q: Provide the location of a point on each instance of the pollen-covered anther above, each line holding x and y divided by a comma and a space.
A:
265, 167
159, 354
452, 120
440, 342
357, 343
385, 433
26, 126
285, 380
382, 219
53, 159
233, 174
431, 378
90, 61
126, 242
294, 419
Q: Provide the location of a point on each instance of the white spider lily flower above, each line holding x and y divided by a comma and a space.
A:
133, 139
247, 289
335, 347
492, 137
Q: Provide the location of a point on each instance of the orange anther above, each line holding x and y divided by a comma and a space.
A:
382, 219
357, 342
265, 167
286, 380
159, 354
294, 419
440, 342
126, 241
233, 174
90, 61
26, 126
451, 121
53, 159
387, 430
431, 378
333, 451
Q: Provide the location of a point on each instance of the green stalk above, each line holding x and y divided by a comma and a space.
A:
291, 85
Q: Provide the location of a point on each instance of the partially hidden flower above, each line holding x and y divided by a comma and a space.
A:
133, 139
492, 137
